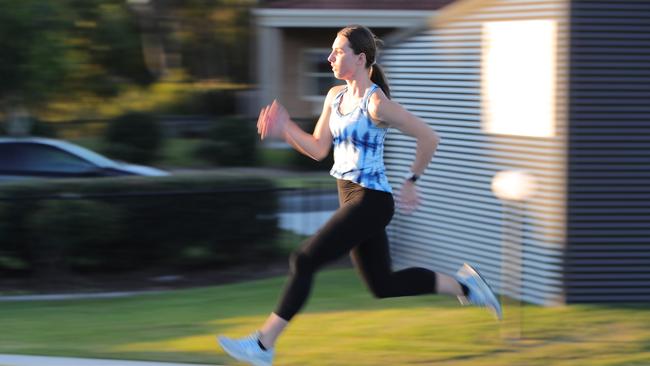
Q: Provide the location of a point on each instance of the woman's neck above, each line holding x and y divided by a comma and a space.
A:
357, 86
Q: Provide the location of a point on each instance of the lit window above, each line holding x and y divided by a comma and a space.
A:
518, 77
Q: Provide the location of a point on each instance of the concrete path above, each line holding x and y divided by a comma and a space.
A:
79, 296
18, 360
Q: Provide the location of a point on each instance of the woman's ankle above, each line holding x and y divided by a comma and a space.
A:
448, 285
265, 342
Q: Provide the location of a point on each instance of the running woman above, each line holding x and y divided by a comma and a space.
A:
355, 119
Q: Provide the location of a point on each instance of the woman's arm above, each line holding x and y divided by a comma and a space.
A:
386, 111
275, 120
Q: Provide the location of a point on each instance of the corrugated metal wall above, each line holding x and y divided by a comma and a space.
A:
436, 75
608, 256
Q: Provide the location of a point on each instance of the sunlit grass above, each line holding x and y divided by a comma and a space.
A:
341, 325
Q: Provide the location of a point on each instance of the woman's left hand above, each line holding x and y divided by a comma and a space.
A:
272, 121
408, 198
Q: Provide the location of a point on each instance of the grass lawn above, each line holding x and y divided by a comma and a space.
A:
342, 325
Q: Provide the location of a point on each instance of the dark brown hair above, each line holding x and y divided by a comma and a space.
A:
362, 40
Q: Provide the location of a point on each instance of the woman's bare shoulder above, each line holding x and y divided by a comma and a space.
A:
336, 89
378, 100
376, 104
378, 96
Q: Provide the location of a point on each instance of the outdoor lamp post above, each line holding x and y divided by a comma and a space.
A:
513, 188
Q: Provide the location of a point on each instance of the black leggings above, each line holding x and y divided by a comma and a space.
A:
357, 227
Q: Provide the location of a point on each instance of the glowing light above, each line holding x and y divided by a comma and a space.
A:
518, 77
513, 185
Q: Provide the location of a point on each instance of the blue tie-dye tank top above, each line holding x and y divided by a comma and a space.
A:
358, 145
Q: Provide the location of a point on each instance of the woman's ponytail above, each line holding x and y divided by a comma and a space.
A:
377, 76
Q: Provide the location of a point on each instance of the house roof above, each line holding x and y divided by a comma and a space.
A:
357, 4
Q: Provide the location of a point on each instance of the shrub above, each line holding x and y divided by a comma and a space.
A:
37, 128
139, 222
211, 102
135, 137
9, 256
14, 247
216, 102
69, 234
43, 129
231, 142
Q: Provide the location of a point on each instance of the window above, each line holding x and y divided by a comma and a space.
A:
519, 74
317, 76
38, 159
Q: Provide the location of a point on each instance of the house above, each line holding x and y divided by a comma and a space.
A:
558, 89
294, 39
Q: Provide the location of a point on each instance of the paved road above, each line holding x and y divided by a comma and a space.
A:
18, 360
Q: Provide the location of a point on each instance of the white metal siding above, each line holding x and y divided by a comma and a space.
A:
436, 75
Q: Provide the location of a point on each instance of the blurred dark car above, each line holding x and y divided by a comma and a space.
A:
33, 157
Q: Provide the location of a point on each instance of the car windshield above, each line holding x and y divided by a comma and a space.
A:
29, 157
86, 154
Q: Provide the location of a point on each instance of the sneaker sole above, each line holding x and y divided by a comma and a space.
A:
237, 356
496, 313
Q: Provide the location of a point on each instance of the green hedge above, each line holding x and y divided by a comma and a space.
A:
231, 141
135, 223
217, 102
134, 137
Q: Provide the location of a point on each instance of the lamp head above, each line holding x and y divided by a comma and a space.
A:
513, 185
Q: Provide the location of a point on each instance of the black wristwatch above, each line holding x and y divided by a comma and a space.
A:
412, 177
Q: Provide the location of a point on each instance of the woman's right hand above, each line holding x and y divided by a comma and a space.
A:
408, 198
273, 120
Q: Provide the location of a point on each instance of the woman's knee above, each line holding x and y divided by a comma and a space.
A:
380, 293
379, 290
301, 262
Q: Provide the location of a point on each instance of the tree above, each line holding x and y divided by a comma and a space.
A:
32, 61
211, 37
107, 43
65, 46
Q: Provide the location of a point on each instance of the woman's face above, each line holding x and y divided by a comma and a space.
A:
343, 60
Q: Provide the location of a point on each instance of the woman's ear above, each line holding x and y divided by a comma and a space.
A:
362, 59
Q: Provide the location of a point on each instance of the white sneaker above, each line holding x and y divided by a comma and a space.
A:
480, 293
247, 350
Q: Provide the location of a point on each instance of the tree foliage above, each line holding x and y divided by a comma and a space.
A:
73, 49
67, 46
213, 36
33, 60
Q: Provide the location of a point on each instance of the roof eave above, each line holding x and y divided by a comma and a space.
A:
438, 19
329, 18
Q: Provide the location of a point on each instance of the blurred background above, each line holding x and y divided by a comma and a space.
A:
130, 168
137, 89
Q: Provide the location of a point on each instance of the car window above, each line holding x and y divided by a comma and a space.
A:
35, 158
